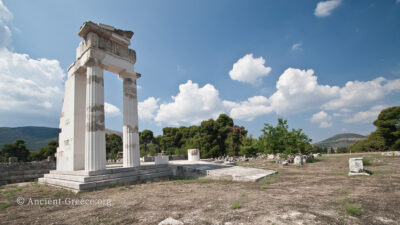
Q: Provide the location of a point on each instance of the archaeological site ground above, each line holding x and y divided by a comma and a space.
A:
316, 193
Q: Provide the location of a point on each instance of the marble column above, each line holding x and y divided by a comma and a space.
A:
95, 148
131, 152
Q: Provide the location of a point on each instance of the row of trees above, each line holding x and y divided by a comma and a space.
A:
18, 149
217, 138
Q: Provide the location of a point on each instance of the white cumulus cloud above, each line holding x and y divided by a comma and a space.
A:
359, 93
191, 105
298, 90
325, 8
249, 109
148, 108
249, 69
366, 116
111, 110
322, 118
29, 87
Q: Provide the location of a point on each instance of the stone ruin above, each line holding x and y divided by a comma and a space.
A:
81, 155
356, 167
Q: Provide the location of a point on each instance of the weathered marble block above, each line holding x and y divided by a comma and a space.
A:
356, 165
298, 160
193, 155
161, 159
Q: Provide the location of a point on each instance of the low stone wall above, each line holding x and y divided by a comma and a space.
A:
14, 172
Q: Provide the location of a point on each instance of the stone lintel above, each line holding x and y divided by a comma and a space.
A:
133, 76
109, 32
113, 63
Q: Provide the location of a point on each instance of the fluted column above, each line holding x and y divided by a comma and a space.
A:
95, 148
131, 152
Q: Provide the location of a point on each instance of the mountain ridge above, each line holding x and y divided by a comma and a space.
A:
35, 137
341, 140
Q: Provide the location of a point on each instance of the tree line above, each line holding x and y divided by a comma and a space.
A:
216, 138
221, 137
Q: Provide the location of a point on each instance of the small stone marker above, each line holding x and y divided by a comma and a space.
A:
298, 160
356, 167
193, 155
170, 221
12, 160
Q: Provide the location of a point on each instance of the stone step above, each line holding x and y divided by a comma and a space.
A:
109, 170
80, 178
86, 186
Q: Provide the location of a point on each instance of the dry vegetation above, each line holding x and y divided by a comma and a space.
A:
317, 193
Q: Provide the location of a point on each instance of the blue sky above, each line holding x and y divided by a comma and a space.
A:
327, 66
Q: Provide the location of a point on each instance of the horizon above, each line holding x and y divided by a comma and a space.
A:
327, 70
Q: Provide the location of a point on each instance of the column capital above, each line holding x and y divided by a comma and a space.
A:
94, 62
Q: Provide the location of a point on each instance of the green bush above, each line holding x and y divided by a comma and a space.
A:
236, 205
353, 210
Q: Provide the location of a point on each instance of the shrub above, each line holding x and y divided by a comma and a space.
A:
353, 210
236, 205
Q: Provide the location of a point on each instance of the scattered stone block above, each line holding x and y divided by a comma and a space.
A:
317, 155
271, 156
161, 159
13, 160
356, 167
193, 155
298, 160
170, 221
285, 163
394, 153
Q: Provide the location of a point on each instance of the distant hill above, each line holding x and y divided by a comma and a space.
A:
34, 137
341, 140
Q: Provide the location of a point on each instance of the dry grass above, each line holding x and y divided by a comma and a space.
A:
317, 193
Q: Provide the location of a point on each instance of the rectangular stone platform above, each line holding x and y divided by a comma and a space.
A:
114, 175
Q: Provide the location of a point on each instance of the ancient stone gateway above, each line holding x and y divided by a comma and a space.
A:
82, 137
81, 154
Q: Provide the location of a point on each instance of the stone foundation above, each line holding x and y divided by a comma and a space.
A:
82, 180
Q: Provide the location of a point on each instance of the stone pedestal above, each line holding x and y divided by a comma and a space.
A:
131, 152
356, 167
95, 148
193, 155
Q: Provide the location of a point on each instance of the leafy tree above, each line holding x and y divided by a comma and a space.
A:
249, 146
386, 136
146, 137
234, 140
17, 149
44, 152
113, 145
280, 140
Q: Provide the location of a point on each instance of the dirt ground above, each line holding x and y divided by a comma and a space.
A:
317, 193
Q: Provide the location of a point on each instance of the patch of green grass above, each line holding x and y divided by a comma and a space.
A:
236, 205
366, 162
268, 178
12, 192
122, 189
62, 193
353, 210
264, 187
206, 222
5, 205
